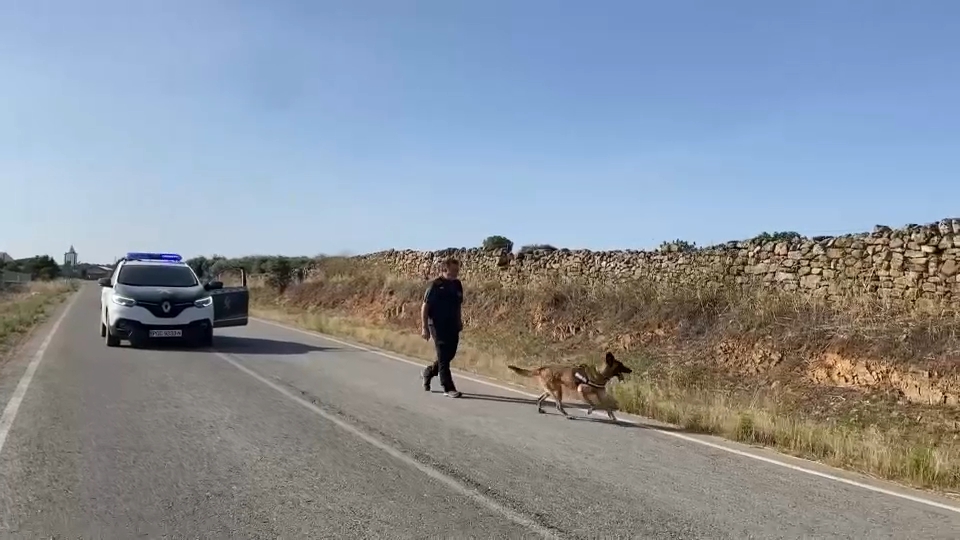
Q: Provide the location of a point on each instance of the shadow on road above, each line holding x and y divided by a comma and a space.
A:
251, 345
549, 409
239, 345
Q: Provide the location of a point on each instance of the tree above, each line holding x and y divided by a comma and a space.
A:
42, 267
198, 264
279, 273
497, 243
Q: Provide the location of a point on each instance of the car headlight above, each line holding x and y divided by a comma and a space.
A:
204, 302
124, 301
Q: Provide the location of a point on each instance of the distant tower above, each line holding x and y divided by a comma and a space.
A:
70, 257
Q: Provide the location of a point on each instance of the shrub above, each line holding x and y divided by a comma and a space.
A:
780, 236
678, 245
537, 247
497, 243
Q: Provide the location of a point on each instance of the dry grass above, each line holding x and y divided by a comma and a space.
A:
694, 353
24, 307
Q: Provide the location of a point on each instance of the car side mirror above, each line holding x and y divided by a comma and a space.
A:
104, 282
213, 285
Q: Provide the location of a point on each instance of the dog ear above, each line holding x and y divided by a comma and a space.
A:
609, 358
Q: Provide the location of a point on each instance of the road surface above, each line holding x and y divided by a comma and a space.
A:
280, 434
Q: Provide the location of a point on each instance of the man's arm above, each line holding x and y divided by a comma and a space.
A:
460, 308
428, 297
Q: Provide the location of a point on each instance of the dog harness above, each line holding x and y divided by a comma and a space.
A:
578, 375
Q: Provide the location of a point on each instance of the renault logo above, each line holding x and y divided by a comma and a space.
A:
165, 306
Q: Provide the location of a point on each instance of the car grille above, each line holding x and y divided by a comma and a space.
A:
157, 311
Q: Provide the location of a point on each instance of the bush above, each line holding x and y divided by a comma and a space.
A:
497, 243
678, 246
537, 247
780, 236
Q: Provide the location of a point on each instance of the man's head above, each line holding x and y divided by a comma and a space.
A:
451, 268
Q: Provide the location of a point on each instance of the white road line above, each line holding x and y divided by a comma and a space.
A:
437, 475
10, 411
797, 468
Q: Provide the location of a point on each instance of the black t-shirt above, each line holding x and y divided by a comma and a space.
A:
444, 298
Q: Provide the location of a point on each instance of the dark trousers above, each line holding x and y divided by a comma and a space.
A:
446, 345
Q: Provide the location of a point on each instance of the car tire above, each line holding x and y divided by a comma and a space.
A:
103, 330
206, 339
111, 340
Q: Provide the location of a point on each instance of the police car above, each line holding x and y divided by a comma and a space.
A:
154, 296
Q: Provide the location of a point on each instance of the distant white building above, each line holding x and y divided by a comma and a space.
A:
70, 257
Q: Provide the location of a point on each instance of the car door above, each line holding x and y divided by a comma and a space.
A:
230, 306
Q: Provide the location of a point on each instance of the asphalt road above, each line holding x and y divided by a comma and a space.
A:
279, 434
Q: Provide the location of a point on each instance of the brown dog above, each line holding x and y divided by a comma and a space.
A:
586, 380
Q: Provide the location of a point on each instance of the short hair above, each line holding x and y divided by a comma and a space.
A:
449, 262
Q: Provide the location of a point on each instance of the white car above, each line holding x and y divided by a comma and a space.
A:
158, 296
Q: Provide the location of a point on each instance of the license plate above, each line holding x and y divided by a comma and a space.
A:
165, 333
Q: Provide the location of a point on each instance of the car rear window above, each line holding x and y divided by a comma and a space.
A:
157, 276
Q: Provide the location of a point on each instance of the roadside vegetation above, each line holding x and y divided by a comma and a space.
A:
23, 307
856, 384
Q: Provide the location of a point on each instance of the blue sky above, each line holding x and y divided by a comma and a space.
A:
308, 127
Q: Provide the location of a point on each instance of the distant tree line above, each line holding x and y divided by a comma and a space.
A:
41, 267
279, 270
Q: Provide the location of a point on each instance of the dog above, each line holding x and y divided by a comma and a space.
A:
588, 381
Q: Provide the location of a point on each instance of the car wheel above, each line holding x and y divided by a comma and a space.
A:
111, 340
206, 340
103, 330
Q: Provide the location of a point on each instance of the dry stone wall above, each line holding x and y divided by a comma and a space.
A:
915, 264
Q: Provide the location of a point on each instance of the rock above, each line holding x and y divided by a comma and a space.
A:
949, 268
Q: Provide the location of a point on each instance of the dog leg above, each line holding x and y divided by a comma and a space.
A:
610, 405
587, 400
540, 399
558, 398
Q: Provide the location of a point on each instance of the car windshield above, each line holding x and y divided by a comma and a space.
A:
157, 276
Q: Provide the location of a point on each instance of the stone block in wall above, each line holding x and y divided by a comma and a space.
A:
949, 268
785, 276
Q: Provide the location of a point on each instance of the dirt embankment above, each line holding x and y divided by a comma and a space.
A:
856, 383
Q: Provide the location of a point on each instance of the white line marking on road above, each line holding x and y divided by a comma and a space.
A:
437, 475
10, 411
462, 375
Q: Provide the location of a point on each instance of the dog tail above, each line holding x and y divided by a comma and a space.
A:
524, 372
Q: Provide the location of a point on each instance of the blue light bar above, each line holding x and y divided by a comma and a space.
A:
170, 257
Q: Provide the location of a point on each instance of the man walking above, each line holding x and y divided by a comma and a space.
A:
441, 319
